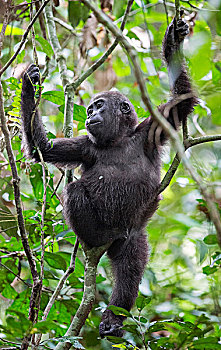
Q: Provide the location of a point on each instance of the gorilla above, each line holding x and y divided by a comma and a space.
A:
118, 191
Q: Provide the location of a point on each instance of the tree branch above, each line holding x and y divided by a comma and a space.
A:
20, 217
68, 90
92, 259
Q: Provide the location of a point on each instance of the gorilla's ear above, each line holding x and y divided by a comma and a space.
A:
125, 107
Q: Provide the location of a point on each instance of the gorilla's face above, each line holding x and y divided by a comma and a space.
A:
110, 115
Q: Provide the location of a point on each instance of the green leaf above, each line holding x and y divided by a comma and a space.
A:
79, 113
119, 311
76, 12
9, 292
56, 97
142, 301
206, 343
210, 239
43, 326
200, 56
207, 270
36, 181
202, 249
45, 45
132, 328
56, 261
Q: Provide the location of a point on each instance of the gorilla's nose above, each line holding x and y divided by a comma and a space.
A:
95, 119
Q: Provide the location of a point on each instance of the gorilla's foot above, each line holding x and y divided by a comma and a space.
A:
111, 325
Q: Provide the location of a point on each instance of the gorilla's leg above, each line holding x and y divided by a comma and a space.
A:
128, 260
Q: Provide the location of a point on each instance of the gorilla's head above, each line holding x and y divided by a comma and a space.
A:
110, 116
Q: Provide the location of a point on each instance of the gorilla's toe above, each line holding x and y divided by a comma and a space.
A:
106, 329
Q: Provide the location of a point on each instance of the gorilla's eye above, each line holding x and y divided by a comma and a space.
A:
125, 107
90, 111
99, 104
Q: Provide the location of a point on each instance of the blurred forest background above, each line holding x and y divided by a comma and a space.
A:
179, 303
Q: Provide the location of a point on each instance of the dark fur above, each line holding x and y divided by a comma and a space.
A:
117, 193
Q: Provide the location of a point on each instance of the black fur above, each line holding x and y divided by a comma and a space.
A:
117, 193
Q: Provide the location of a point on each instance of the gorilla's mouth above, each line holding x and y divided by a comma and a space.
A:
94, 122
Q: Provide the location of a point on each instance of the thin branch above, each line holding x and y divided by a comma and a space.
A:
189, 142
23, 38
17, 194
103, 58
41, 20
68, 90
170, 173
166, 12
60, 285
177, 9
198, 140
21, 224
66, 26
17, 276
214, 213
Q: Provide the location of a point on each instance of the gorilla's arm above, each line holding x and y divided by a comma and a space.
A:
175, 112
61, 151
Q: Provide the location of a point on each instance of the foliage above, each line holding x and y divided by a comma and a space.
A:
179, 302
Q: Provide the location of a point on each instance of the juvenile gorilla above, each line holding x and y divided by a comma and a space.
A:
117, 193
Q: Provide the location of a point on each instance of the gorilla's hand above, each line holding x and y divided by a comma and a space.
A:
30, 79
175, 34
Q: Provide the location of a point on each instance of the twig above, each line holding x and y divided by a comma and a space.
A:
103, 58
41, 20
166, 12
198, 140
33, 37
66, 26
23, 38
58, 184
18, 277
177, 9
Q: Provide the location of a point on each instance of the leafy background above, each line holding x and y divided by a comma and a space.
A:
178, 306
